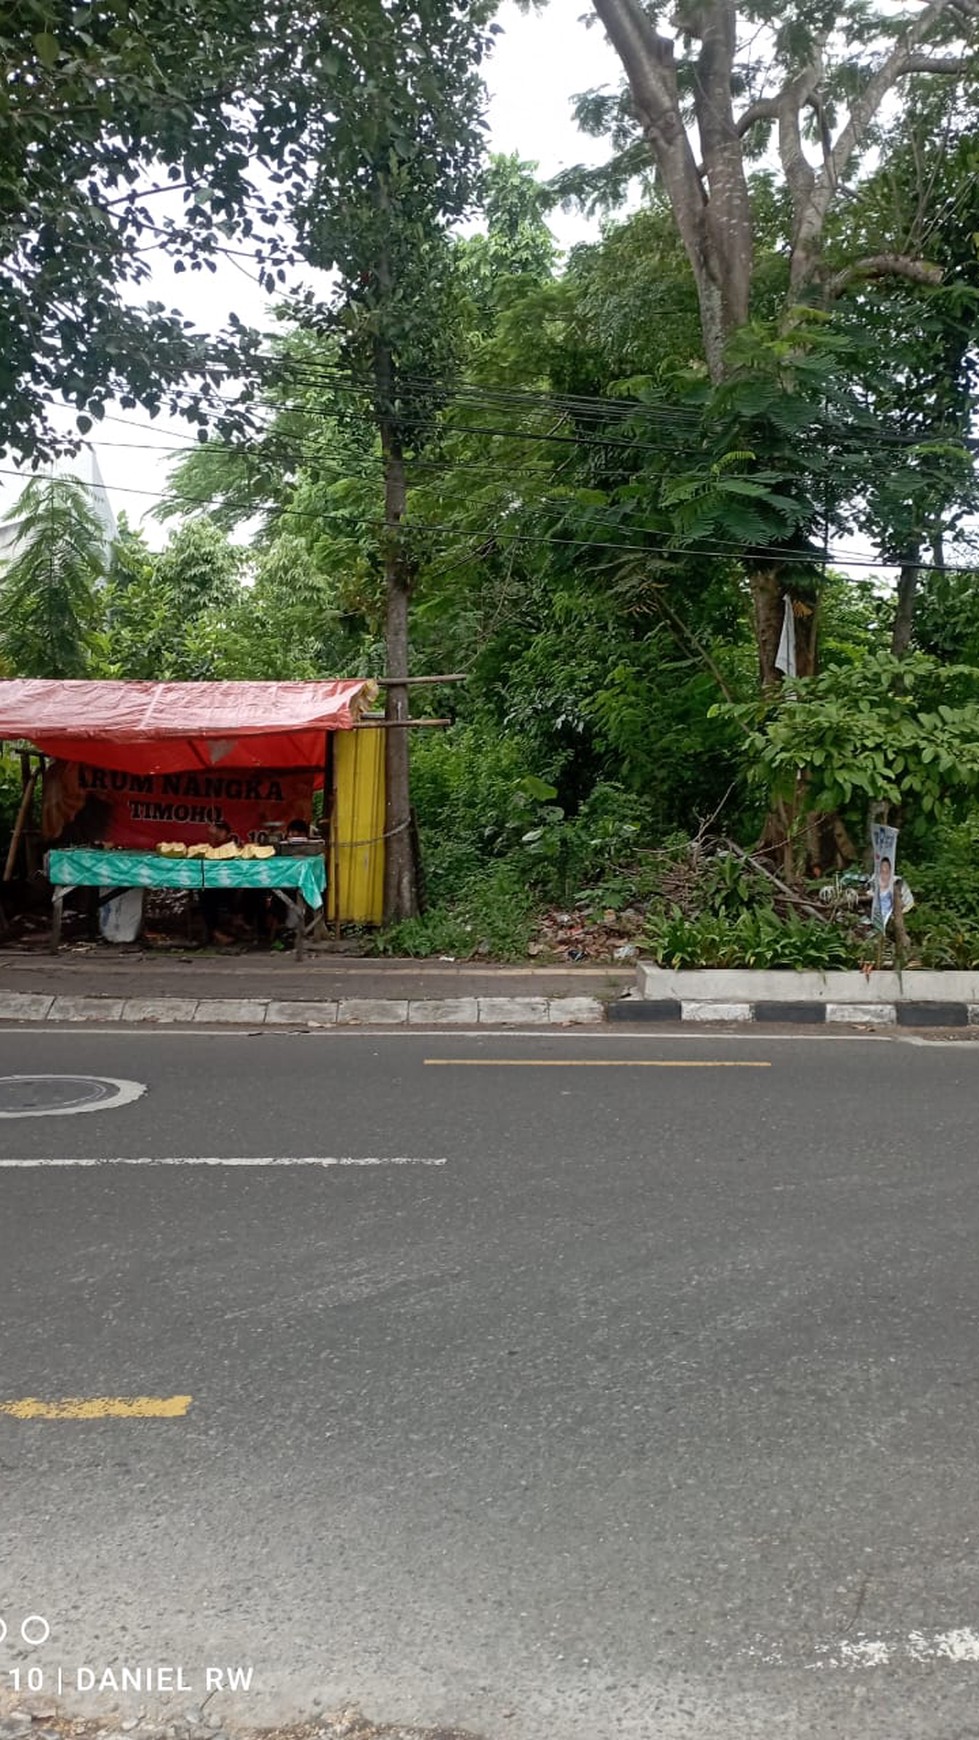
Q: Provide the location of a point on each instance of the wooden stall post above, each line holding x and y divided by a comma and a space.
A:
19, 824
330, 832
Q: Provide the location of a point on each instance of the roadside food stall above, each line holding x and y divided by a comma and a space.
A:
136, 774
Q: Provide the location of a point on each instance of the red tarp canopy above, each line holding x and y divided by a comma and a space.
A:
171, 727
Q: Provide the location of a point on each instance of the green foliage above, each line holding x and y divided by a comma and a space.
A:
561, 855
469, 789
905, 733
364, 115
11, 792
945, 877
397, 156
757, 938
51, 604
167, 613
492, 916
633, 308
516, 244
102, 110
715, 907
920, 364
583, 506
946, 622
495, 844
943, 941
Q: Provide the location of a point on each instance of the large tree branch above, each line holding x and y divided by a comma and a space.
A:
764, 109
729, 210
797, 95
885, 266
865, 106
649, 66
892, 68
950, 64
648, 60
786, 108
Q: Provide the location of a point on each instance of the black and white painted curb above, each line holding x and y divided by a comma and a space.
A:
914, 998
787, 1012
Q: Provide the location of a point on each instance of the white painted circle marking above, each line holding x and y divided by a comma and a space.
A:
35, 1619
109, 1093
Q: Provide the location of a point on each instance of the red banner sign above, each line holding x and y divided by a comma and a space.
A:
140, 809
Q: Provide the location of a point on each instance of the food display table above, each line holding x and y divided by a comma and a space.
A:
87, 867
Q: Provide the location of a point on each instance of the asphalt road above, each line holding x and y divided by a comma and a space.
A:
652, 1412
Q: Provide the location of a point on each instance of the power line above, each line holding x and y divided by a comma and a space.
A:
862, 442
834, 431
724, 551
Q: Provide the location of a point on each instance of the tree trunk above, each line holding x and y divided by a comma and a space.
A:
710, 199
907, 588
710, 204
788, 837
400, 880
769, 597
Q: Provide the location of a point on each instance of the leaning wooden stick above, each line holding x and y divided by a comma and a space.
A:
901, 942
22, 815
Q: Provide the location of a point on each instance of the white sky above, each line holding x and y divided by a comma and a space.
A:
539, 64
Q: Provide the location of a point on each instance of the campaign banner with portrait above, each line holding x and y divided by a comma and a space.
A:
884, 842
89, 804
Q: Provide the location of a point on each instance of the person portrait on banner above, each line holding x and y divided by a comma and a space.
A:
884, 841
885, 890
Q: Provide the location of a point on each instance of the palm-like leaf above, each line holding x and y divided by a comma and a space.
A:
50, 608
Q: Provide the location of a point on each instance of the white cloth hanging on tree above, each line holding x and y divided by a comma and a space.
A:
785, 657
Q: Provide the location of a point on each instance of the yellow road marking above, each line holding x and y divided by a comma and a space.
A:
593, 1063
99, 1408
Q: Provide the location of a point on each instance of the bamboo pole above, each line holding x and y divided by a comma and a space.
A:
399, 724
22, 814
406, 682
335, 832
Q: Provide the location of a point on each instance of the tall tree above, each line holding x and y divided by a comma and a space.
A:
925, 375
167, 610
705, 100
51, 605
128, 130
833, 63
395, 143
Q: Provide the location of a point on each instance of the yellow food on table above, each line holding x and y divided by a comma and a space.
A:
172, 849
252, 851
198, 851
221, 853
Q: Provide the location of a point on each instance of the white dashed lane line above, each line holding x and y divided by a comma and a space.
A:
958, 1646
321, 1160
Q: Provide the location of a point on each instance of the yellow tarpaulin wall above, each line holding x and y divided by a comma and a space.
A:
356, 871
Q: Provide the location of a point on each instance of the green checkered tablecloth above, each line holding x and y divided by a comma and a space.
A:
306, 874
84, 867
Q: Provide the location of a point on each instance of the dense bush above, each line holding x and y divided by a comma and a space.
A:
755, 938
944, 923
463, 785
717, 908
11, 792
480, 801
491, 915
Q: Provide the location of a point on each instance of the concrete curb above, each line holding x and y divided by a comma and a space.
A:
22, 1006
768, 984
815, 1014
879, 999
